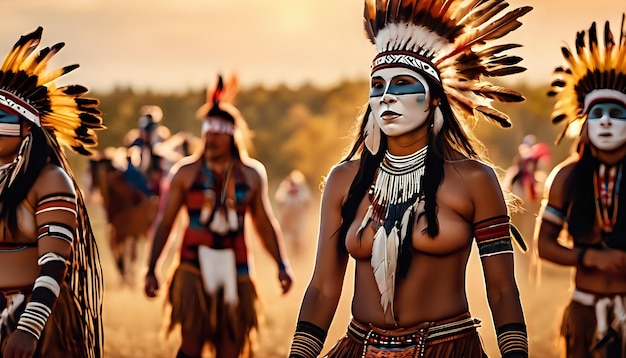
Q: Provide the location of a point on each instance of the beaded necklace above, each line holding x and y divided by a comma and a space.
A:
606, 186
395, 199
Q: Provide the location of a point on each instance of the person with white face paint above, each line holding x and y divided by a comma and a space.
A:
414, 191
212, 294
50, 273
584, 196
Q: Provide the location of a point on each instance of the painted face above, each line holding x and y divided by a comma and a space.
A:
399, 98
10, 136
606, 125
218, 136
9, 124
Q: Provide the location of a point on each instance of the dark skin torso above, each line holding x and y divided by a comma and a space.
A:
450, 250
605, 268
434, 288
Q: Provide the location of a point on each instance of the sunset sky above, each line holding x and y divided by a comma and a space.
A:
172, 45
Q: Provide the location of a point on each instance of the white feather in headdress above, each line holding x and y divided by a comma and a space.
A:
594, 69
453, 36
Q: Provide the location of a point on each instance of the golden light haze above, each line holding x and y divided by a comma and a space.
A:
172, 45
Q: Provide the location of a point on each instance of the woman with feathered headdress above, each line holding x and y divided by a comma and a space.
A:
50, 274
583, 196
212, 295
415, 190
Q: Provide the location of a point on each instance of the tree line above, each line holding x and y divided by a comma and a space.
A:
309, 128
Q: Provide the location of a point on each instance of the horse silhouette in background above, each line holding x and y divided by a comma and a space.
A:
526, 179
130, 211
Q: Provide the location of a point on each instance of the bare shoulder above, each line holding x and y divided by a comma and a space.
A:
184, 172
555, 183
185, 165
254, 172
561, 172
53, 179
340, 178
473, 172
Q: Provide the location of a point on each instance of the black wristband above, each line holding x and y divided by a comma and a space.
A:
308, 341
513, 340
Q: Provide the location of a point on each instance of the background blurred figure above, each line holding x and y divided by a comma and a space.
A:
129, 212
212, 293
144, 165
526, 179
582, 222
293, 199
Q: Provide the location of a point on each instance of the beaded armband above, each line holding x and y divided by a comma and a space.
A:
308, 341
513, 340
551, 214
45, 292
493, 236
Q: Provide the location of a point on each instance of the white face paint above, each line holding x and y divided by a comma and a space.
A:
606, 125
399, 98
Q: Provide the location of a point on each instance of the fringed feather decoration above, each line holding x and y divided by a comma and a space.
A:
72, 120
449, 40
372, 135
395, 198
595, 70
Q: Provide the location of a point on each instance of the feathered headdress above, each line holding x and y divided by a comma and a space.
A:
220, 102
447, 40
66, 118
595, 71
28, 89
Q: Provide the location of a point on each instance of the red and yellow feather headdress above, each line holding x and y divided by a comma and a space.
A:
595, 71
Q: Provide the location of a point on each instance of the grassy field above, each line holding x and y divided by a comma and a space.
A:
134, 324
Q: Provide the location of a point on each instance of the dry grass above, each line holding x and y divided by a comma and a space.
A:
134, 324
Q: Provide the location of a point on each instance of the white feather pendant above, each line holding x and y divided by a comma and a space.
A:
366, 220
404, 224
372, 134
392, 263
384, 262
379, 265
420, 207
437, 121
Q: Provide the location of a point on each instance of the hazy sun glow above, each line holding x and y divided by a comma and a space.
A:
168, 46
